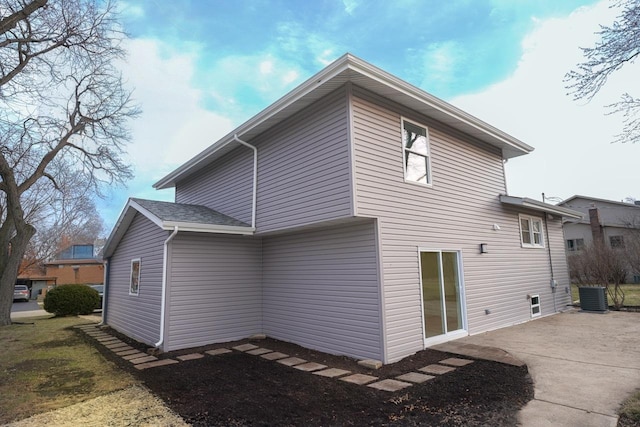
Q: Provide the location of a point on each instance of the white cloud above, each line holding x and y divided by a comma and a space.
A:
572, 139
350, 5
174, 125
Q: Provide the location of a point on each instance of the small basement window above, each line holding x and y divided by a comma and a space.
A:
574, 245
535, 305
134, 285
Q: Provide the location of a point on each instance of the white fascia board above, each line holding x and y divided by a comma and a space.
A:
540, 206
342, 64
295, 95
382, 76
207, 228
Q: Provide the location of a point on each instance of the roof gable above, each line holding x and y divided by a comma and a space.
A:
346, 69
174, 216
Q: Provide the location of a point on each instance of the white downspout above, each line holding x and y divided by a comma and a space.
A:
163, 301
255, 179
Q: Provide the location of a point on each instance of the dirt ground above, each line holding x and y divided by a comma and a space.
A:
241, 389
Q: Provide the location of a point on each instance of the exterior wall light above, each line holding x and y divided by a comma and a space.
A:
484, 248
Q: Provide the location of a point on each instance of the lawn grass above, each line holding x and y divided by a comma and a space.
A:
46, 365
631, 294
630, 410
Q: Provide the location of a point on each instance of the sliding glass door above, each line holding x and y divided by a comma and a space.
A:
442, 301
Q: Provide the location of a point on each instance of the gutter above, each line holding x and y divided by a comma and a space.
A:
255, 179
107, 270
163, 301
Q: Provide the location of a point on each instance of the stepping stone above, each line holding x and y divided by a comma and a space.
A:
332, 372
126, 352
310, 366
415, 377
157, 363
390, 385
291, 361
259, 351
245, 347
359, 379
117, 346
454, 361
192, 356
370, 363
107, 339
218, 351
436, 369
143, 359
137, 354
274, 356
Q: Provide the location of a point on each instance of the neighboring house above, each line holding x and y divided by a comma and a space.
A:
357, 215
605, 220
75, 264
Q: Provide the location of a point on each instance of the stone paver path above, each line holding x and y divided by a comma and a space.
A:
142, 360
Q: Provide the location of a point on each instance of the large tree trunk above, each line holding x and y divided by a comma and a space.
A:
12, 250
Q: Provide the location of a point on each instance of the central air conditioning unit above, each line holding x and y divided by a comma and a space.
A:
593, 298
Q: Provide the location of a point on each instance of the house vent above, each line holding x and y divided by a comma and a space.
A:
593, 298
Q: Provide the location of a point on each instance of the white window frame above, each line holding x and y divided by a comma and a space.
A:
576, 247
137, 291
536, 308
531, 219
409, 150
619, 238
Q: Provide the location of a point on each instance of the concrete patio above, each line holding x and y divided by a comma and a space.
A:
583, 365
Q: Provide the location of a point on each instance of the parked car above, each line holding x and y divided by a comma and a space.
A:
20, 293
100, 289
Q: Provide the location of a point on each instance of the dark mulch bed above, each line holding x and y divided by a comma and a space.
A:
241, 389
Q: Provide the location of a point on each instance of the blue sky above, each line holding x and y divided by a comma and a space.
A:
201, 68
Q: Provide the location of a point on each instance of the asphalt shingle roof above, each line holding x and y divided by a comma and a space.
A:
181, 212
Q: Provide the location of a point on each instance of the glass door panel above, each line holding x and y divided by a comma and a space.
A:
441, 296
432, 294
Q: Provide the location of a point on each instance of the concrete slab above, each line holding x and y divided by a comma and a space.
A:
359, 379
259, 351
479, 352
578, 361
127, 352
118, 346
192, 356
415, 377
107, 339
332, 372
162, 362
538, 413
218, 351
454, 361
143, 359
274, 355
390, 385
310, 366
135, 355
245, 347
291, 361
436, 369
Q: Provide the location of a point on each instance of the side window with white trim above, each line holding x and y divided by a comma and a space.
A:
134, 284
531, 235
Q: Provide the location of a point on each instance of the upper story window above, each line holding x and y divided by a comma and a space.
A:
575, 245
531, 232
616, 241
417, 161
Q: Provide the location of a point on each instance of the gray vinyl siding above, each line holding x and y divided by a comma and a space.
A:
137, 316
303, 172
456, 213
226, 185
321, 290
215, 292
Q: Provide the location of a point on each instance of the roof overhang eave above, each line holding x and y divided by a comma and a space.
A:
540, 206
341, 69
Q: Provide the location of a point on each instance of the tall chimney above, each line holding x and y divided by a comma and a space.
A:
596, 227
